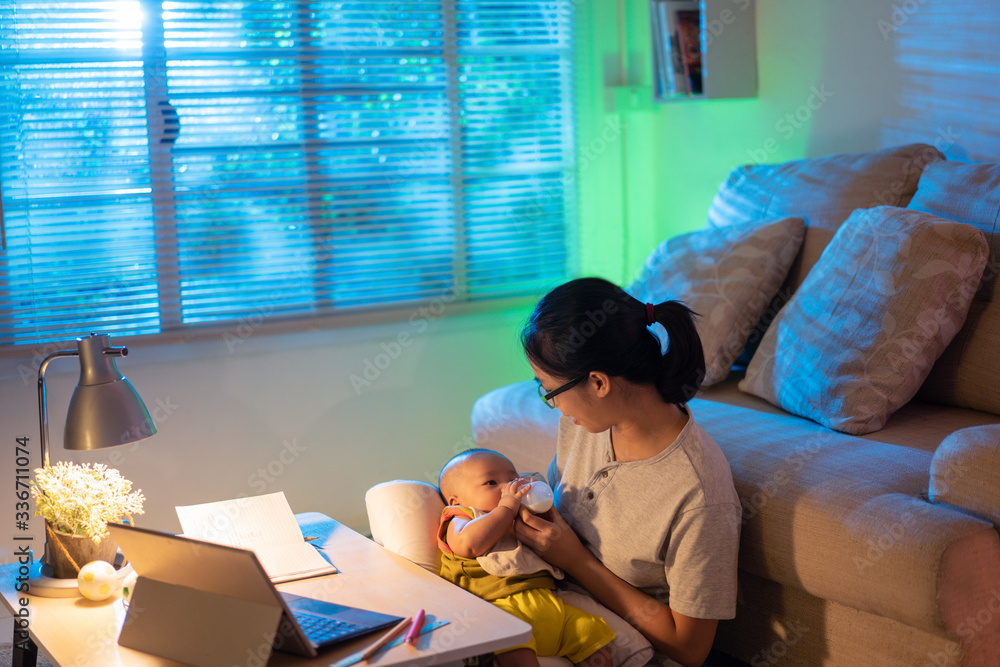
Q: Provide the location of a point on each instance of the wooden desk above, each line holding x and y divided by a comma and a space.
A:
76, 632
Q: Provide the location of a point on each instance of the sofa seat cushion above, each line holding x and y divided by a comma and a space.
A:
917, 424
857, 340
968, 372
846, 519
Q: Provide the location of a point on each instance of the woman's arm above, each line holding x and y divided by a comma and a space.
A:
471, 538
686, 640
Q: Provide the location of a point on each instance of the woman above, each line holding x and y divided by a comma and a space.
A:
647, 516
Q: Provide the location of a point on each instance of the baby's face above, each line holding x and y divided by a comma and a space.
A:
480, 481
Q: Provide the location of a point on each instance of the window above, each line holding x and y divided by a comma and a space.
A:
175, 165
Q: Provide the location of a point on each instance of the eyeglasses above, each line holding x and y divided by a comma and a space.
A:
547, 397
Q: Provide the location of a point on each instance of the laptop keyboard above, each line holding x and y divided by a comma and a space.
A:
320, 629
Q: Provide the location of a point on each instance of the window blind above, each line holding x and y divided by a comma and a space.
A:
175, 165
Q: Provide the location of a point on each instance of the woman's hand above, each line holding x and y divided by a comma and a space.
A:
686, 640
551, 537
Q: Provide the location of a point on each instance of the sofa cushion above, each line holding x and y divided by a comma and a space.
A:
861, 334
727, 276
968, 372
824, 191
965, 472
843, 519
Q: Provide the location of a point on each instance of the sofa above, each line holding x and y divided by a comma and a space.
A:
851, 323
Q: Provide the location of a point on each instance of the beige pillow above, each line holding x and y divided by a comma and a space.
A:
728, 276
861, 334
968, 373
824, 191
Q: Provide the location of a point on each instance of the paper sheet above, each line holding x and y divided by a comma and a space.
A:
263, 524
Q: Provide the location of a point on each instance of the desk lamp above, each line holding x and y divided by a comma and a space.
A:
105, 411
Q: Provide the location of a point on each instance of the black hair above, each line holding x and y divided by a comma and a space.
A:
591, 324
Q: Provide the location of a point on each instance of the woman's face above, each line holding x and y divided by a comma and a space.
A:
580, 403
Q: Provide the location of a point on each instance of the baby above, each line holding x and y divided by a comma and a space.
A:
480, 553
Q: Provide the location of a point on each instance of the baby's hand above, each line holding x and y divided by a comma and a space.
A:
512, 493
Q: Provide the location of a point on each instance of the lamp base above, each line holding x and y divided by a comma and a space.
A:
46, 586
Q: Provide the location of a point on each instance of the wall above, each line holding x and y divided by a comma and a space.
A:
833, 77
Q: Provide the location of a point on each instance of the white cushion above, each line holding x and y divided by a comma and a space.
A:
862, 332
728, 276
403, 517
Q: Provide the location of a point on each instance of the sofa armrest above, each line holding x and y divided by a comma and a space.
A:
513, 421
964, 472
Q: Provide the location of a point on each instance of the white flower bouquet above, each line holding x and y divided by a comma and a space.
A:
80, 499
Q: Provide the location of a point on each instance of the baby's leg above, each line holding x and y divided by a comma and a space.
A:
600, 658
520, 657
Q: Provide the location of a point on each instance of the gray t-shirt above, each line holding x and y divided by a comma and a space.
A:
669, 525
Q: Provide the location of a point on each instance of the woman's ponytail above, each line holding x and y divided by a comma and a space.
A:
591, 324
682, 366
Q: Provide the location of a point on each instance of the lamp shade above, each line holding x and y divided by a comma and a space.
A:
105, 409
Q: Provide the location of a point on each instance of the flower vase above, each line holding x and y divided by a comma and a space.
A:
65, 554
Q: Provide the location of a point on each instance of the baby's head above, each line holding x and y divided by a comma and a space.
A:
475, 478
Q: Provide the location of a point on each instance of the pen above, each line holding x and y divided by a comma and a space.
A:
414, 631
386, 638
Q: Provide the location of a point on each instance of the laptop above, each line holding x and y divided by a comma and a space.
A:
208, 604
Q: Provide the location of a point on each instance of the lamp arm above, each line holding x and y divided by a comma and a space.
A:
43, 415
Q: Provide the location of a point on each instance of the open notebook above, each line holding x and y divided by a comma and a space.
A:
265, 525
